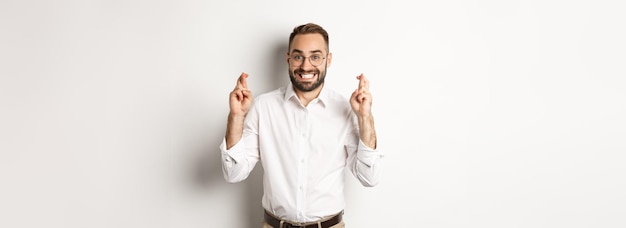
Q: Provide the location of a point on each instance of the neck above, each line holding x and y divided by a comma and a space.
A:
307, 97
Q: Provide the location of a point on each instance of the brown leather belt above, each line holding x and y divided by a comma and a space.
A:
274, 222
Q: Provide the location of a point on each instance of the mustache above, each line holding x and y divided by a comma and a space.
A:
302, 71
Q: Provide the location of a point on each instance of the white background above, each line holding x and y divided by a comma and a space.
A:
491, 113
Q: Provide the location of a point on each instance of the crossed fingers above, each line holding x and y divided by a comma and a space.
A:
241, 89
363, 90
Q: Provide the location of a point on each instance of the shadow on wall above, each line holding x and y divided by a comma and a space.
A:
207, 169
277, 75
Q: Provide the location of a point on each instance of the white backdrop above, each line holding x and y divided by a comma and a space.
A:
492, 113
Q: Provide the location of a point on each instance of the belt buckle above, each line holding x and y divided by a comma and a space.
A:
289, 225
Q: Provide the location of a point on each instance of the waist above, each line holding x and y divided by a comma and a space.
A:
324, 223
319, 205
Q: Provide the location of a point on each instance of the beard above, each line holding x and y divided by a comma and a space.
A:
307, 86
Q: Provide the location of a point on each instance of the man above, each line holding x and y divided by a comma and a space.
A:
305, 136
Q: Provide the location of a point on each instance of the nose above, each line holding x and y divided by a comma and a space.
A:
306, 63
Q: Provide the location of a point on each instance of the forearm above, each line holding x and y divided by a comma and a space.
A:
234, 129
367, 132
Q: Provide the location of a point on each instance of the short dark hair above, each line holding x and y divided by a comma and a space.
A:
309, 28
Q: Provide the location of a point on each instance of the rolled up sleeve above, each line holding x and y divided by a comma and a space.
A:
367, 166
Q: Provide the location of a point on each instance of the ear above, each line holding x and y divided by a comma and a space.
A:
287, 57
329, 59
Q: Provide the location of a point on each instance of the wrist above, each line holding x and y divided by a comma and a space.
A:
233, 115
365, 116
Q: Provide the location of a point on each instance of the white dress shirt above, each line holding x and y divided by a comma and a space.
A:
304, 152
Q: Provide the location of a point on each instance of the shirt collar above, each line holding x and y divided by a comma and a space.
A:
322, 98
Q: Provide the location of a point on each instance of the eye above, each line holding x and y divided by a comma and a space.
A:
297, 57
316, 57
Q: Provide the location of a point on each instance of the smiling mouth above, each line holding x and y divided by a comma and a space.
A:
307, 76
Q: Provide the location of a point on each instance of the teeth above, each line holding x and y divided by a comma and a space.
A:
307, 75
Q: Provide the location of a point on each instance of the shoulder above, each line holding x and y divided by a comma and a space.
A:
337, 103
333, 97
271, 97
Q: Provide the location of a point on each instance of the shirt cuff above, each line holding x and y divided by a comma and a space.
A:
232, 154
367, 155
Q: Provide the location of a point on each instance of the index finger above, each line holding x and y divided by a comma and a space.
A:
241, 82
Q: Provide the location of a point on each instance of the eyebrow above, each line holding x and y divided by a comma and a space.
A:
300, 51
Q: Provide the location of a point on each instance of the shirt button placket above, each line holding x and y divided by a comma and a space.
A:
303, 162
302, 173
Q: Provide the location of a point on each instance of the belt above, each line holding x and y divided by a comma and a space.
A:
274, 222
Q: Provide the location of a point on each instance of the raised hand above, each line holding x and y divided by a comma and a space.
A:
240, 97
361, 99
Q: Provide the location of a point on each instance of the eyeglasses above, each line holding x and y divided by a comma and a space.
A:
314, 59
